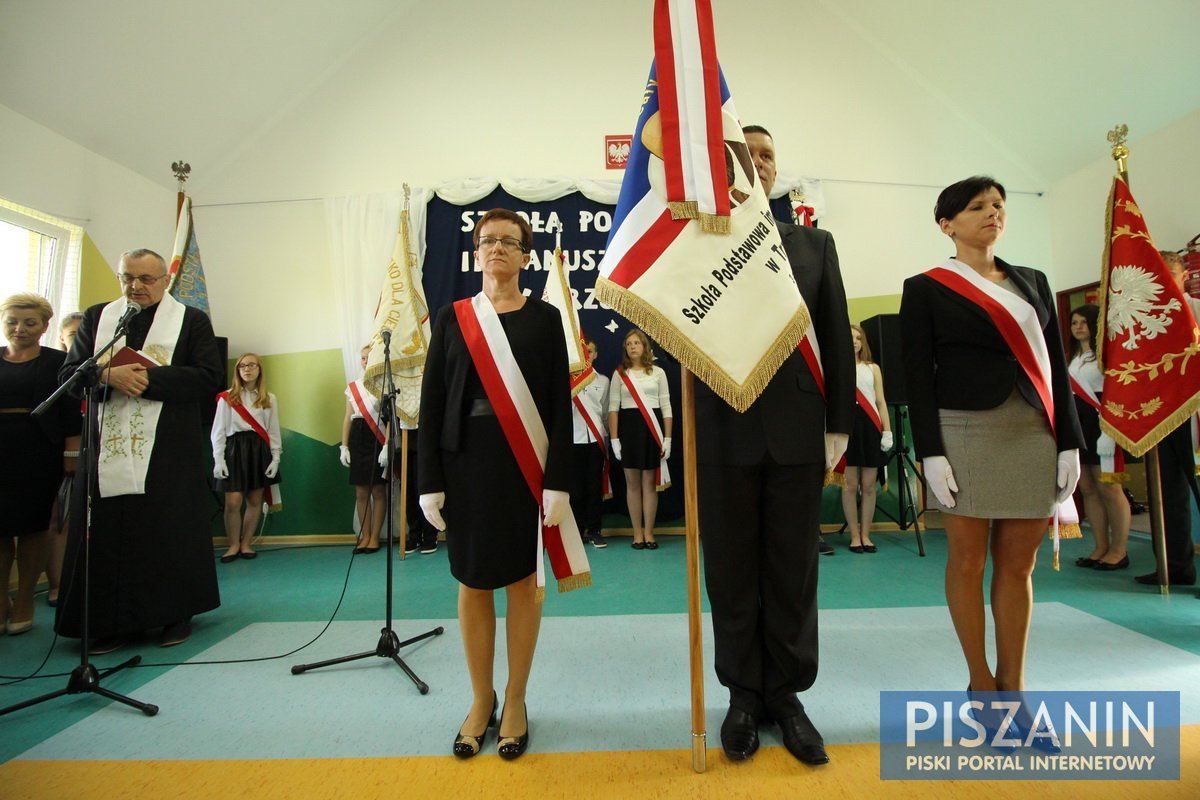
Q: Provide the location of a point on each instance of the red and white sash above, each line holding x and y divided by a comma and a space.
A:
662, 476
1016, 319
1110, 466
525, 432
810, 351
272, 494
593, 425
369, 411
872, 414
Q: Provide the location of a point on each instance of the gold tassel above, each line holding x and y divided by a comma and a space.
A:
573, 582
539, 594
1115, 478
1057, 564
662, 488
1069, 530
713, 223
684, 209
834, 478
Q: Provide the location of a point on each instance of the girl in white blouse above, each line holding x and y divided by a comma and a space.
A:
244, 461
638, 444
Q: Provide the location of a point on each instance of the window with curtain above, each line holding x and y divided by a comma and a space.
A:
40, 253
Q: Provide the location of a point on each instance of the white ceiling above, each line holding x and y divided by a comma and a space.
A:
146, 82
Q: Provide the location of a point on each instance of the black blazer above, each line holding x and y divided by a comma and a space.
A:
955, 357
790, 418
541, 353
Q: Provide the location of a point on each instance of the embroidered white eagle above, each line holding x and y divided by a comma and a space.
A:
1133, 307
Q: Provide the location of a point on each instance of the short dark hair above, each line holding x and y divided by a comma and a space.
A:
508, 216
955, 197
757, 129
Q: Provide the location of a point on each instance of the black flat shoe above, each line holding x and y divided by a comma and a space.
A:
227, 559
466, 746
638, 545
358, 551
369, 550
739, 734
651, 545
870, 548
802, 740
510, 747
249, 556
1086, 562
857, 549
1106, 566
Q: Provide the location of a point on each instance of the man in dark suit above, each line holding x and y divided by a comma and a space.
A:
760, 476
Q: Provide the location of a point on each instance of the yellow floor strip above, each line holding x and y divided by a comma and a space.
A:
652, 775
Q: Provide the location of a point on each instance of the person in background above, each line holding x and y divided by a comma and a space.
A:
1104, 504
151, 561
364, 451
246, 447
639, 422
469, 470
589, 452
56, 542
37, 450
997, 434
866, 453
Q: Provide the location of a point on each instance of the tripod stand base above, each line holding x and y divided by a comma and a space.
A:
85, 678
388, 647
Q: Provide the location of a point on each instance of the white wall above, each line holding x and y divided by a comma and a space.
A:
1164, 176
119, 209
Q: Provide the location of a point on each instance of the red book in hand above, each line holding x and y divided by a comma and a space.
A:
130, 355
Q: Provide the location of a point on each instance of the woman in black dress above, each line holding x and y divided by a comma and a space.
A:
37, 451
467, 469
866, 452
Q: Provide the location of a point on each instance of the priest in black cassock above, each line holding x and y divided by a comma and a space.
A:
151, 546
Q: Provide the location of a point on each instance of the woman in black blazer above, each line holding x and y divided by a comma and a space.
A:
993, 422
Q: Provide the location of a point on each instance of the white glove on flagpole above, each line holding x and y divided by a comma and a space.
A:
344, 455
220, 471
886, 441
666, 450
940, 479
1068, 473
431, 507
555, 506
835, 448
616, 443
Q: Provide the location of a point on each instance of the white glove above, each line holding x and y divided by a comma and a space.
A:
273, 467
666, 448
1105, 446
940, 479
835, 448
383, 457
616, 443
1068, 473
344, 454
555, 506
220, 471
431, 507
886, 441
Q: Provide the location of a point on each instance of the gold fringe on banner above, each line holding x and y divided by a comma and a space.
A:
1115, 478
651, 320
834, 478
573, 582
714, 223
684, 209
662, 488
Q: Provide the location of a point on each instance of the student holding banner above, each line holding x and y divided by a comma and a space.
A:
866, 452
364, 451
495, 458
246, 448
993, 422
1104, 502
639, 421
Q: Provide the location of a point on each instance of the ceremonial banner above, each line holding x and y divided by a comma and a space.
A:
403, 312
1148, 335
694, 255
558, 294
187, 284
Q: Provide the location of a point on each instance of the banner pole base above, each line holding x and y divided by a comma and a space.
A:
699, 753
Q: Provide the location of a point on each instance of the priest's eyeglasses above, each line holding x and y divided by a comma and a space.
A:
144, 280
508, 243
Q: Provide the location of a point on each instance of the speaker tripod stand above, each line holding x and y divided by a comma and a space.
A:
906, 512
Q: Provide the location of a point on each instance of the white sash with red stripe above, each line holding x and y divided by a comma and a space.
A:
369, 411
1109, 465
272, 494
662, 476
810, 351
525, 433
1016, 319
593, 425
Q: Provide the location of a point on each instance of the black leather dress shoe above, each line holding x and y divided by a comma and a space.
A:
739, 735
802, 740
1151, 579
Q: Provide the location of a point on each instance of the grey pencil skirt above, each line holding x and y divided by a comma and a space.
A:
1004, 460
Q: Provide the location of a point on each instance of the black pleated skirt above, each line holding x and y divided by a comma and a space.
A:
863, 448
638, 448
364, 455
247, 456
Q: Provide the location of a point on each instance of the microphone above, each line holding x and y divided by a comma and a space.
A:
132, 309
387, 335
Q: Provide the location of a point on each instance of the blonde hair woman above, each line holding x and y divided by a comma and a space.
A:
867, 449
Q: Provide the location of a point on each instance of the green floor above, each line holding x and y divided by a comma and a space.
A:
306, 584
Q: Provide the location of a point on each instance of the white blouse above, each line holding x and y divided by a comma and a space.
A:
594, 400
228, 422
653, 386
1086, 369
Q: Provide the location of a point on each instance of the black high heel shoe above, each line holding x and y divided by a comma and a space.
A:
510, 747
465, 745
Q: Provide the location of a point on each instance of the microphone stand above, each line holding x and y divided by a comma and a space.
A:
389, 644
85, 678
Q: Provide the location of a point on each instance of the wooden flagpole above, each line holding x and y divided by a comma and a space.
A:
692, 535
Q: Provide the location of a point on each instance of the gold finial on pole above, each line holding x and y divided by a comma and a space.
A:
1116, 137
